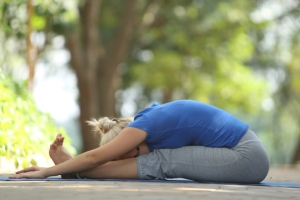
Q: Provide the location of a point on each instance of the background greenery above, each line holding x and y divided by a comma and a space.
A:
24, 130
242, 56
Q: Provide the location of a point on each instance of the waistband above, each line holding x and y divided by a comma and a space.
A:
249, 136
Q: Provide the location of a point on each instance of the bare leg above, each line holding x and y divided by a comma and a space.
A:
114, 169
125, 168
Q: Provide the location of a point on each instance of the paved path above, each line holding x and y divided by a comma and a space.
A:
73, 190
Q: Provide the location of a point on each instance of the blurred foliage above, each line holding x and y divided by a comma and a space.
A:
50, 18
199, 50
24, 130
277, 56
212, 51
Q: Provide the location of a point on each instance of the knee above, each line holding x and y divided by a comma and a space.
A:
258, 169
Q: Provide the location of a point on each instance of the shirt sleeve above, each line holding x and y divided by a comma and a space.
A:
142, 123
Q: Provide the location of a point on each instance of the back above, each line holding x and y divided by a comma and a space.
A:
186, 123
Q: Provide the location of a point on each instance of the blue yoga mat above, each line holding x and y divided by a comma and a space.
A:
264, 183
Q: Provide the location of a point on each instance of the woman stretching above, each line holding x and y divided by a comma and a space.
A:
180, 139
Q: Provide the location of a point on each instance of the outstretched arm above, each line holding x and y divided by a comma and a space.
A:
128, 139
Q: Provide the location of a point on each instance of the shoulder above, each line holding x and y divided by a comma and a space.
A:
141, 122
134, 130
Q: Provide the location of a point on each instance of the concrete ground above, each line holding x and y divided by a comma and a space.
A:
73, 190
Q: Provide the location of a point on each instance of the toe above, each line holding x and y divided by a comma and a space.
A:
61, 141
52, 146
56, 141
52, 143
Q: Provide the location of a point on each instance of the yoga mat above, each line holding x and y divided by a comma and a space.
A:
264, 183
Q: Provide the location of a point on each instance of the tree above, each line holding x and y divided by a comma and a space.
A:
24, 130
277, 57
30, 50
95, 53
200, 50
95, 61
196, 42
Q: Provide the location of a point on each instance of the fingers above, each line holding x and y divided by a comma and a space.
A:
29, 169
24, 175
14, 176
35, 174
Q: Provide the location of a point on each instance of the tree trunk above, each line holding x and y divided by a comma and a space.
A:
97, 73
296, 158
109, 78
30, 51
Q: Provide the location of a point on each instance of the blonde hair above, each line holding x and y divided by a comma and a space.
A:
108, 128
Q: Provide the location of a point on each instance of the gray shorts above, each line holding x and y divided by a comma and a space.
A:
247, 162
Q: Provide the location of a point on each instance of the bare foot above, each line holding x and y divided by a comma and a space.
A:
57, 152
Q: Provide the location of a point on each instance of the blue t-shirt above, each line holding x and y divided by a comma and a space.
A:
188, 123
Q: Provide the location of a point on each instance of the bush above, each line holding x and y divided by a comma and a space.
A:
24, 130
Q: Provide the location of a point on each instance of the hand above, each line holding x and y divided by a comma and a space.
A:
30, 172
30, 169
